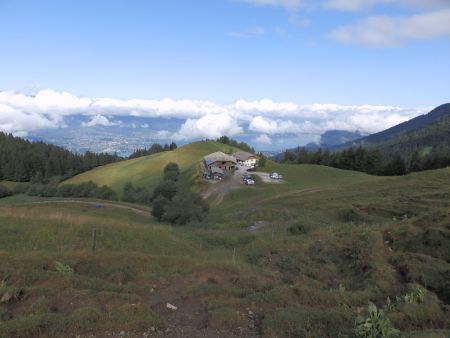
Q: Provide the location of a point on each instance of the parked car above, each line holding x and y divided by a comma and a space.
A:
249, 182
276, 176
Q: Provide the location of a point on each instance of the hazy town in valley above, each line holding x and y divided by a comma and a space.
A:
224, 169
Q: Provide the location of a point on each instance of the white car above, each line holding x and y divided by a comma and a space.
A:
249, 182
276, 176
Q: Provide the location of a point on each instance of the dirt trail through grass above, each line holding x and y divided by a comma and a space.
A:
222, 188
143, 211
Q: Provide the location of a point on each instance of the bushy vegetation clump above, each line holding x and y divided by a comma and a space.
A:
134, 194
374, 323
174, 204
82, 190
4, 191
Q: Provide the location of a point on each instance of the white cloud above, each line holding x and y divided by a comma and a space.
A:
20, 123
261, 124
208, 126
202, 119
98, 120
358, 5
263, 139
384, 31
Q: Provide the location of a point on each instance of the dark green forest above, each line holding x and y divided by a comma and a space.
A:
371, 161
23, 161
409, 147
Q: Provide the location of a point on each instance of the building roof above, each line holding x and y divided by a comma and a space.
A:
243, 156
218, 157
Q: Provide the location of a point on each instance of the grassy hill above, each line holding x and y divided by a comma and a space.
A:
333, 241
147, 171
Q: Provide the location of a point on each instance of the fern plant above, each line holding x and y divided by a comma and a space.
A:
64, 268
373, 323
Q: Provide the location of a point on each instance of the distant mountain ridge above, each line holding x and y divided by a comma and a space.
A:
336, 137
405, 127
425, 134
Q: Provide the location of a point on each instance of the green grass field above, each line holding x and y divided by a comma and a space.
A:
147, 171
334, 240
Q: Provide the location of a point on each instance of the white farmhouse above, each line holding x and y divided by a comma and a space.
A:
246, 159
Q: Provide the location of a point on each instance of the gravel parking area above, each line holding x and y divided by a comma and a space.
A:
265, 177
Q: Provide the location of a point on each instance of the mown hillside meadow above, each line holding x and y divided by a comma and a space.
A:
332, 242
147, 171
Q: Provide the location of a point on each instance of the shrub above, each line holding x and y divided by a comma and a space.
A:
185, 207
159, 207
171, 172
298, 229
63, 268
4, 191
166, 189
374, 323
105, 193
136, 195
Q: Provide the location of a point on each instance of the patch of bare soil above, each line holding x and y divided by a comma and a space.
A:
218, 190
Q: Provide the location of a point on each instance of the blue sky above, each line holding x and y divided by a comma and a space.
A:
384, 53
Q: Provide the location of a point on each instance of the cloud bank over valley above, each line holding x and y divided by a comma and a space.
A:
265, 123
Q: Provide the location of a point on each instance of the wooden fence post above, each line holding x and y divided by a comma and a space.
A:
94, 239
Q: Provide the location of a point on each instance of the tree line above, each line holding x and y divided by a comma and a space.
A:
22, 160
53, 189
154, 149
370, 160
241, 145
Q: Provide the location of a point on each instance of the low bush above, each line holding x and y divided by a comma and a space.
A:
298, 229
138, 195
4, 191
82, 190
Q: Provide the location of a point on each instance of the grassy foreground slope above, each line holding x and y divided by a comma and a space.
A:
335, 240
147, 171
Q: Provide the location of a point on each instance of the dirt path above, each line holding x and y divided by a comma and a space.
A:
265, 177
220, 189
143, 211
